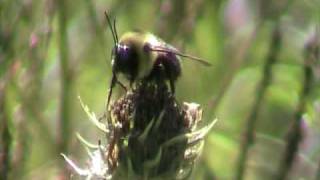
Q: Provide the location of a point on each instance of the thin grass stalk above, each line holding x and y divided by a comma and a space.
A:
318, 172
7, 35
33, 114
294, 135
261, 90
171, 12
95, 23
65, 76
318, 57
295, 132
191, 11
21, 148
32, 105
5, 135
239, 58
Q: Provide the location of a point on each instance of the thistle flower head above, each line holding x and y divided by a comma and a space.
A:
149, 135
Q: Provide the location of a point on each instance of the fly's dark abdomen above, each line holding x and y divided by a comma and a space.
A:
171, 65
166, 67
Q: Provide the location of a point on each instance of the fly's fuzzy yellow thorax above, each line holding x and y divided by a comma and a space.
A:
138, 40
134, 39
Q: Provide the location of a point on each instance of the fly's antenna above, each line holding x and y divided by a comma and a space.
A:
115, 40
115, 30
114, 35
178, 53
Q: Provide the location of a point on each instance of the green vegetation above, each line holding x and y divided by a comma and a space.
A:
263, 85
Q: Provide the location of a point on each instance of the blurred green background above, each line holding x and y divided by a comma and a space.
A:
52, 51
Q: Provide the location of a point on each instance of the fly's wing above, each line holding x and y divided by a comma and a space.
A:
165, 45
161, 46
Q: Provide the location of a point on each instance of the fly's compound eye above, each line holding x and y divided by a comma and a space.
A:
126, 60
123, 53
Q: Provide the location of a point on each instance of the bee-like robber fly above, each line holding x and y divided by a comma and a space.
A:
141, 56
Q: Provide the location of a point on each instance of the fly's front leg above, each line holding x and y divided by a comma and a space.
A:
122, 85
172, 86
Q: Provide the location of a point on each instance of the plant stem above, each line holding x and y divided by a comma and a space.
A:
95, 22
64, 123
261, 89
238, 59
318, 172
5, 135
294, 135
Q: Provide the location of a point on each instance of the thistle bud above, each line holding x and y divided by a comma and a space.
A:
149, 135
